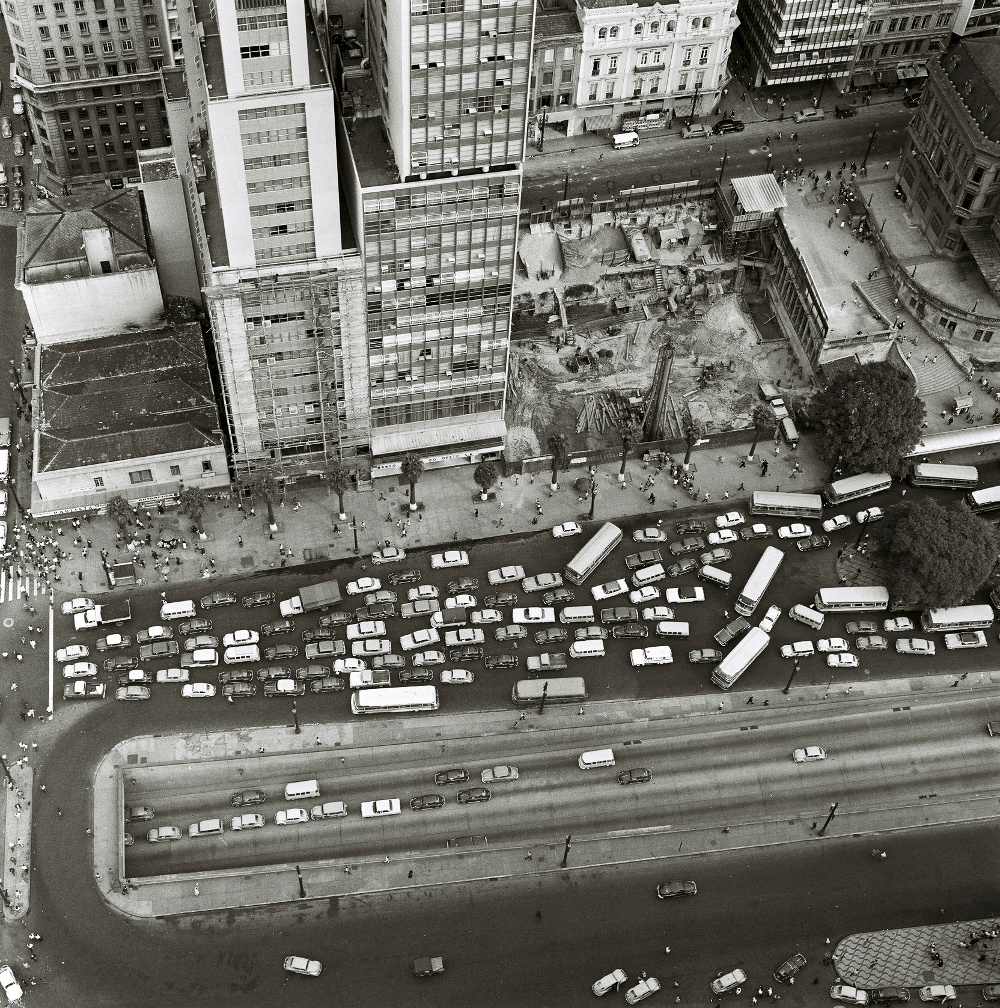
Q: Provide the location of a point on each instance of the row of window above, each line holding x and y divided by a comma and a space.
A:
436, 409
271, 112
905, 23
913, 47
94, 72
639, 29
608, 65
108, 48
83, 27
79, 7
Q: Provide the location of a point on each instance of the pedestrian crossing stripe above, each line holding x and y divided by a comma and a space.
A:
14, 586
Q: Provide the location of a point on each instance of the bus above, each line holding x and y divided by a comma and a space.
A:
955, 440
987, 499
957, 477
792, 504
607, 537
852, 599
570, 689
966, 617
753, 590
740, 658
857, 486
393, 699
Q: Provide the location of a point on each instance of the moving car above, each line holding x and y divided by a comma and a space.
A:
307, 967
172, 675
132, 693
291, 817
675, 596
756, 532
240, 638
667, 890
846, 994
795, 531
5, 130
629, 631
389, 554
194, 626
645, 594
865, 626
551, 635
321, 649
79, 669
938, 993
366, 628
897, 624
419, 639
163, 833
318, 634
722, 537
239, 691
462, 601
219, 598
81, 690
714, 557
813, 542
120, 663
336, 619
428, 658
510, 632
283, 651
561, 596
619, 614
258, 599
457, 677
381, 807
196, 690
730, 520
567, 529
284, 687
704, 656
485, 617
158, 649
505, 575
504, 598
463, 584
691, 526
154, 633
682, 567
474, 794
728, 981
728, 126
614, 979
201, 641
693, 544
364, 648
137, 677
428, 801
405, 577
843, 660
770, 618
914, 646
455, 776
643, 989
464, 635
869, 515
534, 614
249, 820
328, 684
845, 111
658, 613
807, 115
836, 523
637, 775
814, 752
540, 582
871, 642
281, 626
832, 644
450, 558
644, 558
463, 654
789, 967
967, 639
114, 641
413, 610
72, 652
77, 605
649, 535
253, 796
389, 662
499, 773
363, 585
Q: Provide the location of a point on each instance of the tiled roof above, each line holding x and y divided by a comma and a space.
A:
973, 67
553, 24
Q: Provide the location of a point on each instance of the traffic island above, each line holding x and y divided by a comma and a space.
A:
15, 890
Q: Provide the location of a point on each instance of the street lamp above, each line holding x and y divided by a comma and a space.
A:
541, 130
566, 187
694, 101
795, 669
545, 693
871, 142
593, 497
565, 858
829, 818
6, 772
295, 718
354, 529
302, 888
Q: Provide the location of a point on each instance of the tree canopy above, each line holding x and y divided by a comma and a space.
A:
935, 556
867, 419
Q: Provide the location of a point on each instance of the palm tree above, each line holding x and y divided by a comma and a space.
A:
485, 476
691, 436
630, 434
559, 450
192, 503
119, 512
338, 479
761, 419
413, 466
264, 485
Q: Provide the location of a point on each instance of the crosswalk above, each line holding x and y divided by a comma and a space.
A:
14, 586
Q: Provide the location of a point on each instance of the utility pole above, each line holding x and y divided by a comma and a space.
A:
593, 497
302, 888
795, 669
541, 130
722, 170
871, 143
6, 772
295, 718
545, 694
829, 818
694, 102
566, 187
354, 528
565, 858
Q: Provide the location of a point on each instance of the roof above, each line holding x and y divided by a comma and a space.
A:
555, 24
440, 436
758, 193
54, 229
132, 395
973, 67
595, 4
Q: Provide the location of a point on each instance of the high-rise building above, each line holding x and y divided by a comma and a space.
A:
90, 72
978, 17
900, 38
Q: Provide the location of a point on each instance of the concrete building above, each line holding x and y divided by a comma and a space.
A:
977, 17
555, 70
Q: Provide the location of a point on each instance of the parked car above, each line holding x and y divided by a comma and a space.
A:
505, 575
809, 114
900, 995
695, 131
729, 981
770, 618
405, 577
756, 532
845, 111
258, 599
728, 126
567, 529
938, 993
389, 554
450, 558
846, 994
219, 598
649, 535
613, 979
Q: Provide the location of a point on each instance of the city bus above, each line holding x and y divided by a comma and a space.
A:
740, 658
607, 537
955, 440
967, 617
852, 599
987, 499
569, 689
753, 590
956, 477
793, 505
857, 486
393, 699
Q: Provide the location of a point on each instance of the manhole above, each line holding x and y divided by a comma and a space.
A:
8, 622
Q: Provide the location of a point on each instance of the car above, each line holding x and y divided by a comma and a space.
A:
658, 613
715, 557
691, 526
667, 890
463, 584
322, 649
871, 642
645, 594
864, 627
561, 596
113, 642
318, 634
366, 628
18, 152
540, 582
642, 990
869, 515
154, 633
462, 601
756, 532
705, 656
454, 776
846, 994
567, 529
457, 677
258, 599
282, 626
421, 592
499, 773
682, 567
728, 981
363, 585
809, 114
648, 535
138, 813
795, 531
501, 661
270, 672
898, 624
381, 807
370, 646
991, 992
614, 979
831, 644
968, 639
239, 691
900, 995
428, 801
240, 638
253, 796
405, 577
722, 537
388, 554
474, 794
388, 663
551, 635
194, 626
504, 598
161, 834
484, 617
675, 596
328, 684
464, 635
788, 969
132, 693
72, 652
534, 614
158, 649
637, 775
510, 632
219, 598
465, 654
619, 614
248, 820
693, 544
82, 690
914, 646
629, 631
381, 598
120, 663
137, 677
770, 618
813, 542
808, 754
172, 675
335, 619
4, 194
505, 575
836, 523
450, 558
307, 967
419, 639
609, 589
413, 610
912, 100
425, 658
845, 111
938, 993
730, 520
591, 632
843, 660
77, 605
416, 677
695, 131
197, 690
644, 558
238, 675
800, 649
728, 126
17, 201
10, 985
291, 817
201, 641
5, 130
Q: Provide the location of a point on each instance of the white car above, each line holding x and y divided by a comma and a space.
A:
649, 535
428, 658
642, 990
836, 523
291, 817
730, 520
451, 558
504, 575
795, 531
484, 616
770, 618
541, 582
422, 592
197, 690
534, 614
567, 529
154, 633
390, 554
614, 979
419, 639
72, 653
800, 649
915, 646
846, 994
869, 515
658, 613
463, 601
77, 605
384, 806
10, 985
644, 594
677, 595
307, 967
172, 675
830, 644
499, 773
938, 993
609, 589
238, 638
345, 666
842, 660
249, 820
370, 647
367, 628
722, 537
457, 676
79, 670
898, 624
966, 639
112, 641
813, 752
463, 636
729, 981
363, 585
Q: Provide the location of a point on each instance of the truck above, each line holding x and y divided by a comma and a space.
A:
547, 662
103, 615
82, 690
370, 677
310, 598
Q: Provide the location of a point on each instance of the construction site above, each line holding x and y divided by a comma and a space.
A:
645, 309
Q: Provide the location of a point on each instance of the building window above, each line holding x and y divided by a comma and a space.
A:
44, 34
547, 78
131, 67
686, 61
99, 482
175, 470
695, 24
637, 88
703, 58
866, 53
566, 76
942, 20
609, 91
654, 85
893, 23
614, 31
875, 27
595, 68
564, 99
206, 465
49, 54
108, 47
126, 45
141, 476
568, 53
706, 23
549, 56
88, 49
255, 51
983, 335
593, 93
39, 10
69, 52
123, 24
103, 26
612, 64
602, 33
682, 82
111, 69
637, 30
154, 41
654, 27
64, 31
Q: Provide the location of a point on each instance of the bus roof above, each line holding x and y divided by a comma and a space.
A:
797, 499
872, 593
851, 484
952, 440
389, 697
553, 688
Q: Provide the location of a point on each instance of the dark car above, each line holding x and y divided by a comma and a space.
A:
643, 559
251, 797
619, 614
416, 676
258, 599
900, 995
236, 675
814, 541
756, 532
308, 672
428, 801
693, 544
911, 100
389, 662
280, 652
629, 630
328, 684
501, 661
120, 663
451, 777
404, 577
691, 527
551, 635
239, 690
320, 633
194, 626
561, 596
682, 567
707, 655
667, 890
17, 205
335, 619
729, 126
463, 584
789, 967
638, 775
274, 672
513, 632
473, 794
18, 173
137, 677
380, 596
845, 111
467, 653
159, 649
281, 626
501, 599
219, 598
592, 632
284, 687
4, 196
381, 610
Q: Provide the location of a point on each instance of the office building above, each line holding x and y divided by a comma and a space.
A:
978, 17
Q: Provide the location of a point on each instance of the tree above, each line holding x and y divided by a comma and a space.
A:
868, 419
485, 476
262, 484
559, 450
935, 556
762, 418
413, 466
692, 434
119, 512
338, 479
192, 503
630, 434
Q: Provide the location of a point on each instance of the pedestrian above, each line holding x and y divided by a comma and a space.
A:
749, 702
885, 167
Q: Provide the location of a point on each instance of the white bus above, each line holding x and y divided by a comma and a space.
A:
857, 486
569, 689
740, 658
607, 537
753, 590
987, 499
852, 599
393, 699
967, 617
957, 477
955, 440
791, 504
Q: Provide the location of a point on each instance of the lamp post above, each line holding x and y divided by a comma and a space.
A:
829, 818
593, 497
694, 101
566, 187
302, 888
541, 130
565, 858
354, 529
6, 772
795, 669
871, 143
295, 718
545, 694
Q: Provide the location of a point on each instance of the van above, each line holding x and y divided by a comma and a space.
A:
716, 575
301, 789
238, 655
4, 464
177, 610
207, 827
597, 758
587, 649
577, 614
623, 140
667, 628
659, 654
657, 572
803, 614
768, 391
4, 432
789, 433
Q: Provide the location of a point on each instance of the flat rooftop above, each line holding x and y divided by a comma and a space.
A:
372, 153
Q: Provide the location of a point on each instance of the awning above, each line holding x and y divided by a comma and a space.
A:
758, 193
594, 124
920, 71
905, 73
445, 438
863, 79
886, 77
